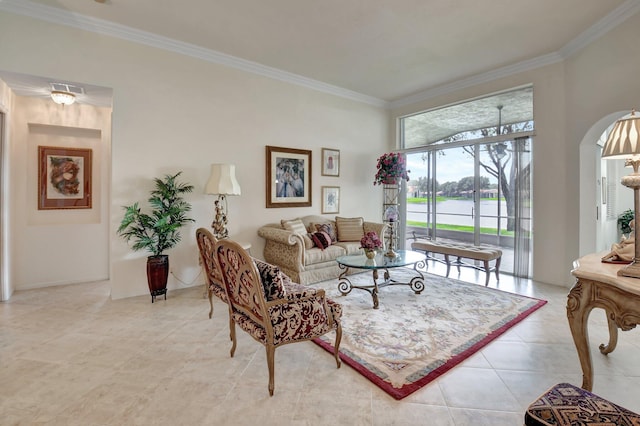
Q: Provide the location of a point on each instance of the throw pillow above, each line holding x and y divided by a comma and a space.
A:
272, 279
329, 228
350, 229
296, 226
321, 239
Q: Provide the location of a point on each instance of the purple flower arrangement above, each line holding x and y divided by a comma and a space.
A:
391, 168
370, 241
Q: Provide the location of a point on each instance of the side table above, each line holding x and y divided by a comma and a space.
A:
599, 286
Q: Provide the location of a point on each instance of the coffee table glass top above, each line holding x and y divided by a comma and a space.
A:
403, 258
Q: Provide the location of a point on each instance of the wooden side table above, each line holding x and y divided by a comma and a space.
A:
599, 286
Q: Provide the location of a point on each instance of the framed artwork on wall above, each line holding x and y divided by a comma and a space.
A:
330, 199
288, 177
64, 178
330, 162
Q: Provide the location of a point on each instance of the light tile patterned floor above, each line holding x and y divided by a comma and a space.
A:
71, 356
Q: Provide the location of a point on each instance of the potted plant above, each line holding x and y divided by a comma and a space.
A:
159, 230
624, 220
392, 168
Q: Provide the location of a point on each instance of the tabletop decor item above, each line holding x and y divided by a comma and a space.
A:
370, 242
159, 230
392, 168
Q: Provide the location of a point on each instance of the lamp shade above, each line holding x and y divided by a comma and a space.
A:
222, 180
624, 139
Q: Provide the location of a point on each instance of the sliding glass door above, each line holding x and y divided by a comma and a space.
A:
475, 194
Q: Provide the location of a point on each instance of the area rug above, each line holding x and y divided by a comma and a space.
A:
414, 338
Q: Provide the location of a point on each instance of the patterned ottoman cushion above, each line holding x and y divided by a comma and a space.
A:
566, 404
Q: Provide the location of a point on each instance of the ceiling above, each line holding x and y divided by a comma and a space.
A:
377, 50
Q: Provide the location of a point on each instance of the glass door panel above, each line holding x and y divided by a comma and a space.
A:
474, 194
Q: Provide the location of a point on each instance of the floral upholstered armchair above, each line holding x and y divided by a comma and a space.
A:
273, 310
214, 280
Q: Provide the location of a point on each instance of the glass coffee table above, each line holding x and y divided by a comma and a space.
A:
360, 261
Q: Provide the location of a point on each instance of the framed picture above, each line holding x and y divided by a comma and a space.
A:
330, 199
330, 162
288, 177
64, 178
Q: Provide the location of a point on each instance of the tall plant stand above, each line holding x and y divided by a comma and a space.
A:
391, 216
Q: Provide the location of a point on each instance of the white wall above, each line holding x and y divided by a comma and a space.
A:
173, 112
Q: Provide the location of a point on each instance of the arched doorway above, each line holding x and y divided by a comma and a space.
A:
602, 197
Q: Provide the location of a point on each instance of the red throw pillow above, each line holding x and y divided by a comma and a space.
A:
321, 239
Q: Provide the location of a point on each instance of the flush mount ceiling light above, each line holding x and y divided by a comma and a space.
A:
63, 98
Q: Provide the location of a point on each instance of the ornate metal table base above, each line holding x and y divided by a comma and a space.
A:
345, 286
607, 292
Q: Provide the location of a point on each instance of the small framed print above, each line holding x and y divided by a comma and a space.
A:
288, 177
330, 162
64, 178
330, 199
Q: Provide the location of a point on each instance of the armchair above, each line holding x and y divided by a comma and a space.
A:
214, 280
273, 310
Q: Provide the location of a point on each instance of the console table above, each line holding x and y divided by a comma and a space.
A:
598, 286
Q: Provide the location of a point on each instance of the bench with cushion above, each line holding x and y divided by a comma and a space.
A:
565, 404
462, 251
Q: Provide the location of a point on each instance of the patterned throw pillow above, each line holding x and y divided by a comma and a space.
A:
272, 279
350, 229
296, 226
329, 229
321, 239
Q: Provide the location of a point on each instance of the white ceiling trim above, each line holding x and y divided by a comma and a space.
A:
597, 30
100, 26
59, 16
496, 74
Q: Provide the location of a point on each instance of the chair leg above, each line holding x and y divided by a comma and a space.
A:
498, 260
336, 345
271, 351
446, 259
210, 295
232, 334
487, 272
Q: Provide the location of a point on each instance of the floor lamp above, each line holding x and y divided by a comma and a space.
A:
222, 182
624, 142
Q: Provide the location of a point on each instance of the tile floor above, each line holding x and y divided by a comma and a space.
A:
71, 356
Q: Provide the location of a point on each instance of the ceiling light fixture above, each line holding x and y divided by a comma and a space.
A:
62, 98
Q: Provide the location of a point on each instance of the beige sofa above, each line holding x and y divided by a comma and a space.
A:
291, 247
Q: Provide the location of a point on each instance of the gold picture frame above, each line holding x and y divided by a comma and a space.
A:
330, 162
330, 199
288, 177
64, 178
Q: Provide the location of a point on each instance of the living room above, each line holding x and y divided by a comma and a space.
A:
177, 112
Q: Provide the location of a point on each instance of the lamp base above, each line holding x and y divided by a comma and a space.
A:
219, 223
631, 270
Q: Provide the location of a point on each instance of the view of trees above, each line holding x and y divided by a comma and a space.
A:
499, 165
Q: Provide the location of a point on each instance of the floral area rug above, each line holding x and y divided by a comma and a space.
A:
414, 338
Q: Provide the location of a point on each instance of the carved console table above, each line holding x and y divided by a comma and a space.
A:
599, 286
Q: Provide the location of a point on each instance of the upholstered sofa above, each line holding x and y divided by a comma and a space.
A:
299, 249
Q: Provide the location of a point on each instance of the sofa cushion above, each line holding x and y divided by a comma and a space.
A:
350, 229
322, 240
273, 279
315, 255
297, 227
327, 227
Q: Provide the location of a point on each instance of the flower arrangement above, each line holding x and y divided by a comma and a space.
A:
391, 168
370, 241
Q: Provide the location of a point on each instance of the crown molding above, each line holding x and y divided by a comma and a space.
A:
597, 30
492, 75
607, 23
83, 22
100, 26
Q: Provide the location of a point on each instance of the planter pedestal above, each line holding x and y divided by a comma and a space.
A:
157, 275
